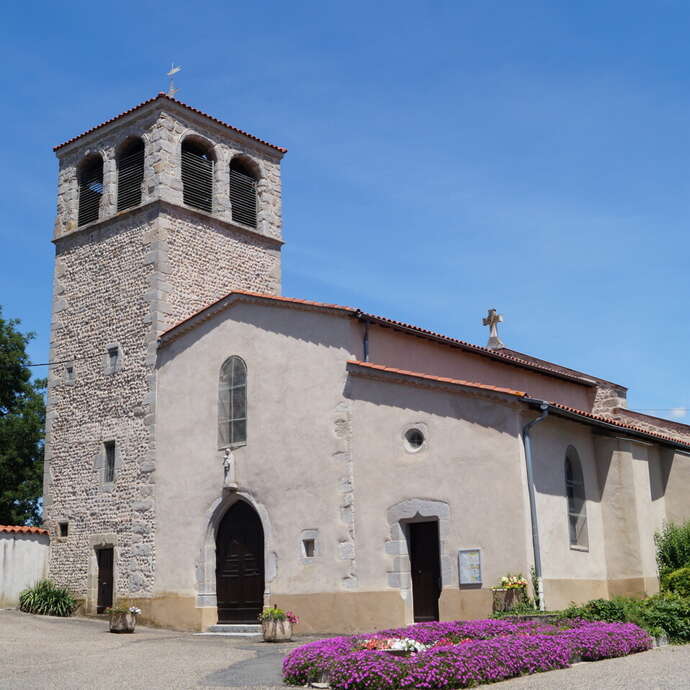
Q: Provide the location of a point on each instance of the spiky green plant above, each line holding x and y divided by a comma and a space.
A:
47, 599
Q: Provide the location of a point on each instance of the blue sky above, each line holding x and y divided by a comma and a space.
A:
444, 158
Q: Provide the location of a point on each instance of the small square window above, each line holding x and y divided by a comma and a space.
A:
63, 528
309, 546
70, 376
109, 465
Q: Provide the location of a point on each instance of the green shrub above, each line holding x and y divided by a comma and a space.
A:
611, 611
47, 599
668, 612
679, 582
672, 548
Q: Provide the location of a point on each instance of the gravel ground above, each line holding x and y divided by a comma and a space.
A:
46, 652
61, 653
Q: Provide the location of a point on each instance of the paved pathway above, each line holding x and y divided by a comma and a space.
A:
74, 653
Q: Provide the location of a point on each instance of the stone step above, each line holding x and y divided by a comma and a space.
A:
234, 630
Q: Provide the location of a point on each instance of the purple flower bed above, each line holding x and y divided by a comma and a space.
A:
465, 653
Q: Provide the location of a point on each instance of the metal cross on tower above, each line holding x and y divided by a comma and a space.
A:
171, 83
492, 319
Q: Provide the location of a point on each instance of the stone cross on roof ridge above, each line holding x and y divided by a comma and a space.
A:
492, 319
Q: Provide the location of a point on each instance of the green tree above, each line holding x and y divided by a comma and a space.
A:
22, 422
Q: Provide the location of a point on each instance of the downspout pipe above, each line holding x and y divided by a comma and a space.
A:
365, 338
527, 441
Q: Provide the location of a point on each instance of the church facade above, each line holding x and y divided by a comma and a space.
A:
214, 447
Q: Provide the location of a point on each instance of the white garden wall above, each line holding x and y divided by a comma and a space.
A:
23, 561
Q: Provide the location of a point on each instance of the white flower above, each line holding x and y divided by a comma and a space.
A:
135, 610
407, 645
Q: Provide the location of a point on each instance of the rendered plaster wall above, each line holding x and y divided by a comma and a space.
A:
561, 561
406, 352
676, 483
23, 562
294, 469
466, 476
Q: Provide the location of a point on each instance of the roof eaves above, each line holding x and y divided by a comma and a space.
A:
242, 295
369, 367
22, 529
165, 96
609, 423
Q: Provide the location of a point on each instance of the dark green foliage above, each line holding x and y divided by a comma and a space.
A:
47, 599
672, 548
678, 582
668, 613
609, 610
22, 420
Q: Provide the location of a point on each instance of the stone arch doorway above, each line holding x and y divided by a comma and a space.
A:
240, 565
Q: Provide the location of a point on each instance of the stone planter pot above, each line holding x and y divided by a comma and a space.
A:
508, 599
276, 631
122, 622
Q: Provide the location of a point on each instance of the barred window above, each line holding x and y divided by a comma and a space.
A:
232, 403
577, 506
243, 182
197, 174
130, 174
90, 189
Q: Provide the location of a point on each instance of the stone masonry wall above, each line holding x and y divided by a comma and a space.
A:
123, 280
100, 282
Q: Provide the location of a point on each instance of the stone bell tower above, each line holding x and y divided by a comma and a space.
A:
161, 211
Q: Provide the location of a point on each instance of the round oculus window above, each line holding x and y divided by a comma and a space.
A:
414, 439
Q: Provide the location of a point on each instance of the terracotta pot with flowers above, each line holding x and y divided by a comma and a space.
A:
123, 620
276, 624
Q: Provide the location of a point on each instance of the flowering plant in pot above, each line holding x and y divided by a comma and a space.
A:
123, 620
511, 592
276, 624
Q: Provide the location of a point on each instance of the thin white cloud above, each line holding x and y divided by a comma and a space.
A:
679, 412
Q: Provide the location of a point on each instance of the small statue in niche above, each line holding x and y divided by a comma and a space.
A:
229, 470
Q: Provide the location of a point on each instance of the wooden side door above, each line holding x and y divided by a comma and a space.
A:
425, 563
104, 558
240, 565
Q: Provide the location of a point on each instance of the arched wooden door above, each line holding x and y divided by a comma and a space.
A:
240, 565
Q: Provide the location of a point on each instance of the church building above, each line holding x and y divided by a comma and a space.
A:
214, 447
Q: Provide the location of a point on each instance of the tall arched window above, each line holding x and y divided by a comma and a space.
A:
90, 189
197, 174
575, 492
243, 192
232, 403
130, 174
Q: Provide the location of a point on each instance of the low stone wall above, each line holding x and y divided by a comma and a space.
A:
23, 561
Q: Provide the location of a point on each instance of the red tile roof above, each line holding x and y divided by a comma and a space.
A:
22, 529
164, 96
525, 398
227, 300
620, 425
439, 379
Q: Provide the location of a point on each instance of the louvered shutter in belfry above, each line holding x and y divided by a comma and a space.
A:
197, 180
130, 178
90, 192
243, 197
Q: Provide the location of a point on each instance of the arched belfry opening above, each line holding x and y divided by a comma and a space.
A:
197, 161
130, 174
240, 565
90, 189
243, 187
